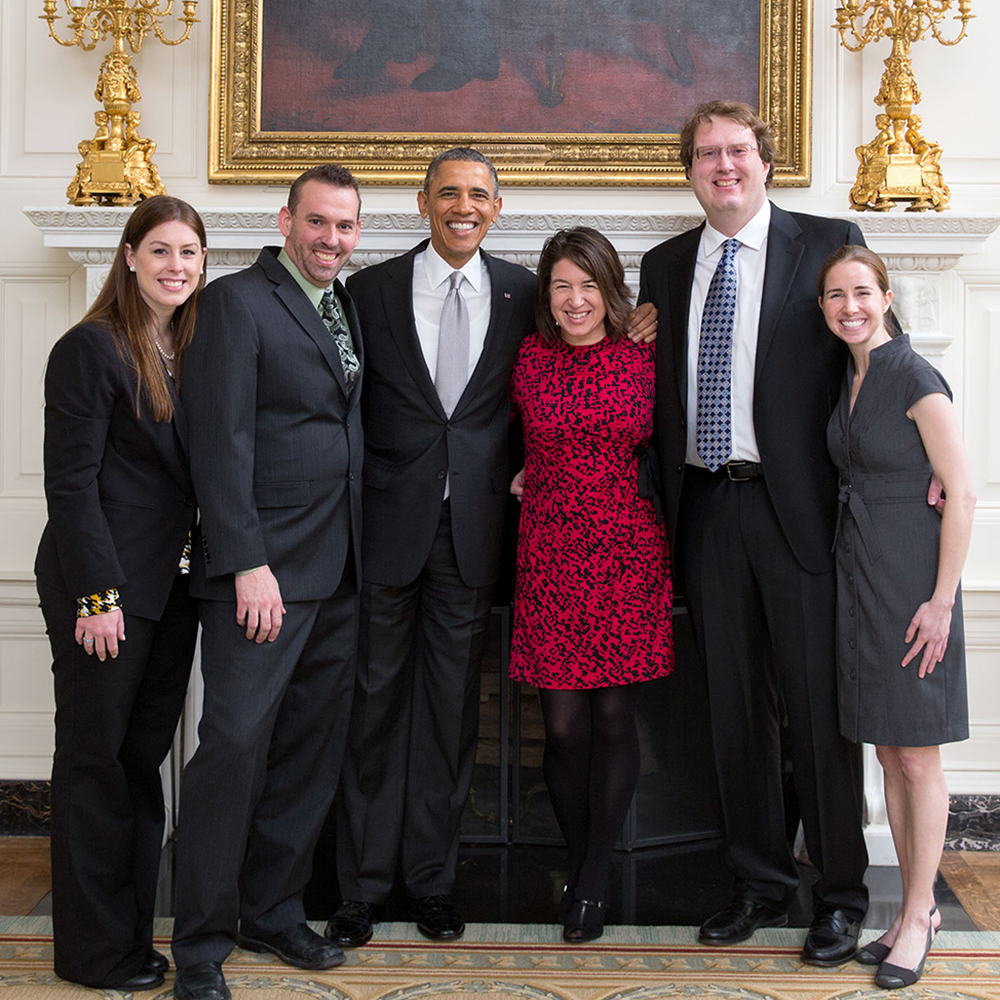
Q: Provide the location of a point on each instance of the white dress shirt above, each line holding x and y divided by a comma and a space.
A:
749, 290
430, 288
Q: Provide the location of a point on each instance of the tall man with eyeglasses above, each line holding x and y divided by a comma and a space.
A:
747, 374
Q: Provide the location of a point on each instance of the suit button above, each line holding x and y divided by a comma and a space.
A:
350, 476
440, 475
347, 424
850, 611
854, 675
680, 469
853, 644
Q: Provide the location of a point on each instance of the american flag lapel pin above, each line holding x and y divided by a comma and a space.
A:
506, 295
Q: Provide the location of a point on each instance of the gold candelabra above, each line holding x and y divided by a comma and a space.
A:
899, 164
117, 166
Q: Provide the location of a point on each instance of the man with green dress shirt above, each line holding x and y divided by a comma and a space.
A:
271, 389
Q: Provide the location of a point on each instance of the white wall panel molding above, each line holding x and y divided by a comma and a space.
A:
26, 701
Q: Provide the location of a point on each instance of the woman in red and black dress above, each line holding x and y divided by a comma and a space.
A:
593, 599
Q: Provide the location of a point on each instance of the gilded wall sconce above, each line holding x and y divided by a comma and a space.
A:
899, 164
117, 166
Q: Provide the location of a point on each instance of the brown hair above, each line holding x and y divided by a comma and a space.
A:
874, 263
326, 173
121, 307
735, 111
593, 253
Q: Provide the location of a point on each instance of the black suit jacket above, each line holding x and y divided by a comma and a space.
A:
799, 368
410, 445
276, 444
119, 493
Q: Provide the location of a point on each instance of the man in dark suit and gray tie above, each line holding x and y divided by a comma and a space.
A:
443, 324
747, 375
272, 386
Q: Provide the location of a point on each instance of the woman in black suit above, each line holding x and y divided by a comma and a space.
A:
110, 564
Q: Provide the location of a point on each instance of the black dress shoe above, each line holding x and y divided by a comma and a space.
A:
201, 981
437, 918
739, 920
156, 962
585, 921
351, 926
832, 939
298, 945
144, 979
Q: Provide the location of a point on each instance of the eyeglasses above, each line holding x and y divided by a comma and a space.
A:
737, 153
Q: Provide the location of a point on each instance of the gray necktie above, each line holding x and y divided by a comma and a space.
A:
715, 362
333, 317
452, 371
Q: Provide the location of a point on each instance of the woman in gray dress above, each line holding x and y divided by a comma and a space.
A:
900, 647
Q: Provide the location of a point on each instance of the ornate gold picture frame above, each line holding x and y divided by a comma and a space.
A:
556, 92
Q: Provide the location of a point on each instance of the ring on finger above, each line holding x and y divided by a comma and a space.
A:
88, 641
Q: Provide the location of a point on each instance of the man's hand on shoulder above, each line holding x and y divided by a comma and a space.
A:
642, 324
258, 604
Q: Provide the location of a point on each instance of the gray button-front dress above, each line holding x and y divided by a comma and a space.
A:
887, 554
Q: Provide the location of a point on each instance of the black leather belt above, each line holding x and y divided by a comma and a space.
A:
740, 472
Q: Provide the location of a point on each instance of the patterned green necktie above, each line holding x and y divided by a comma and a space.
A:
333, 317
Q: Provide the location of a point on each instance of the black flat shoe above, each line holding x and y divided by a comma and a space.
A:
585, 921
156, 962
874, 953
895, 977
566, 903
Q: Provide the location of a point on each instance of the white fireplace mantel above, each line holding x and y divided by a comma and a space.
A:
917, 248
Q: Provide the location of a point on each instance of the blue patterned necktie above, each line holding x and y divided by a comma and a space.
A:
333, 317
715, 362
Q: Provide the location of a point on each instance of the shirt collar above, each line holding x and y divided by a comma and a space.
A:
752, 235
313, 293
438, 270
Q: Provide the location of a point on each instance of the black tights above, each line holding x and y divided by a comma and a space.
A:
591, 767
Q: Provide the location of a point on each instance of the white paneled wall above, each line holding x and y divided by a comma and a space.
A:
46, 107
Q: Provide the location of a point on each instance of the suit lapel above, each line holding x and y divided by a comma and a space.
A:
784, 253
397, 301
680, 278
295, 301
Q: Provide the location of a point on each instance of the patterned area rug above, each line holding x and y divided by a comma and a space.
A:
530, 962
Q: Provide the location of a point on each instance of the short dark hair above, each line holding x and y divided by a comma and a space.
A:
735, 111
593, 253
874, 263
464, 154
326, 173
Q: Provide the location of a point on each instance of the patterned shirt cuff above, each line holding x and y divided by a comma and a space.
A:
98, 604
184, 566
